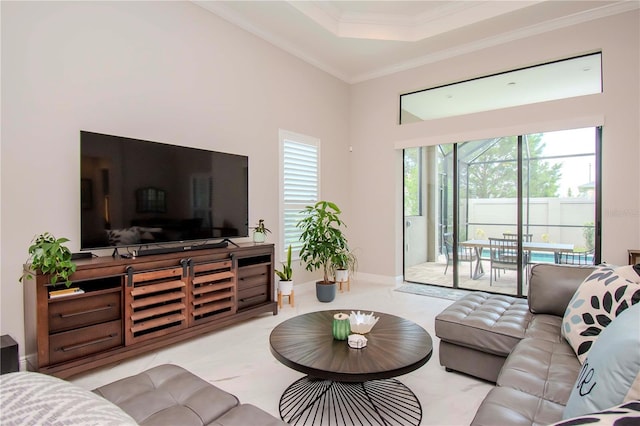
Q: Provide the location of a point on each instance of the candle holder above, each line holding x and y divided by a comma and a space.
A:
341, 326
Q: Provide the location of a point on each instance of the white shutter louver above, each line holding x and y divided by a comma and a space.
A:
300, 186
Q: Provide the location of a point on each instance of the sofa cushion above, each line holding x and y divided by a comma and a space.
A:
168, 394
247, 414
552, 286
533, 386
28, 398
609, 377
487, 322
546, 370
627, 414
545, 327
508, 406
602, 296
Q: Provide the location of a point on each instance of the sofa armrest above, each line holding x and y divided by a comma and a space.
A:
552, 286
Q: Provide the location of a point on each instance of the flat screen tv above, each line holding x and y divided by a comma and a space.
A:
138, 193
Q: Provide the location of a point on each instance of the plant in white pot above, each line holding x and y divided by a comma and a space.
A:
260, 232
343, 264
321, 238
285, 285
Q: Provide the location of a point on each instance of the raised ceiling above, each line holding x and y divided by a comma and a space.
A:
359, 40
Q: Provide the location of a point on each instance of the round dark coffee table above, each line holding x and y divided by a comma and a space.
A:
350, 386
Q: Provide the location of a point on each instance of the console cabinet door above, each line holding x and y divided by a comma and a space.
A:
155, 303
255, 281
213, 291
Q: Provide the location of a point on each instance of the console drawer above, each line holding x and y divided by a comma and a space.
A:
74, 344
253, 276
82, 311
252, 296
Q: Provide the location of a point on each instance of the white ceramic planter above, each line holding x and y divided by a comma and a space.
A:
285, 287
342, 275
259, 237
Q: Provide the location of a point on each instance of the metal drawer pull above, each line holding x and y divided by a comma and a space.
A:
248, 299
89, 311
82, 345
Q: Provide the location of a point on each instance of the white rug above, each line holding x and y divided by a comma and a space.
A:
433, 291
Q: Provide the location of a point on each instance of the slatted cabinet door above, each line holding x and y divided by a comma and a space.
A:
157, 302
213, 291
254, 283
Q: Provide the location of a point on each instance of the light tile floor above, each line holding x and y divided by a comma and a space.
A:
433, 273
237, 359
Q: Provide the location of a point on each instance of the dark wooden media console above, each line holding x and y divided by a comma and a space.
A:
132, 306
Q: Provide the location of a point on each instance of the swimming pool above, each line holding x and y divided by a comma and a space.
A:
536, 256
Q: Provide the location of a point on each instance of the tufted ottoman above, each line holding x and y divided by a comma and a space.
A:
478, 332
170, 395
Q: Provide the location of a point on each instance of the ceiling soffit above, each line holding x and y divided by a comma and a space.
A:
353, 60
423, 20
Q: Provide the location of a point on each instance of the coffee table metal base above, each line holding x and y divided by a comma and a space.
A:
325, 402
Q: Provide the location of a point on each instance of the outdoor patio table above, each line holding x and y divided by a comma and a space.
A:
479, 245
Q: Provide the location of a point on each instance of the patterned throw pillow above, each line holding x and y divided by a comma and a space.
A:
609, 377
630, 272
37, 399
601, 297
627, 414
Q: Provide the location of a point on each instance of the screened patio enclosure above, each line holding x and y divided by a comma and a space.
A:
478, 214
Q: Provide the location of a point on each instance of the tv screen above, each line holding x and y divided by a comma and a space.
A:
136, 192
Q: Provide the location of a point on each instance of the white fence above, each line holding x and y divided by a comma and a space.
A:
559, 220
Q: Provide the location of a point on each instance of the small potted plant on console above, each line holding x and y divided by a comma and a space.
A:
48, 255
322, 238
260, 232
285, 285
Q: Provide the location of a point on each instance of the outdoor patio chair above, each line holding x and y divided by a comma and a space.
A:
577, 257
465, 254
511, 236
503, 255
526, 255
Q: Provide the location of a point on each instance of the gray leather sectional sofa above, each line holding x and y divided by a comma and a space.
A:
517, 344
163, 395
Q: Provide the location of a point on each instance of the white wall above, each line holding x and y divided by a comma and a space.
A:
375, 134
162, 71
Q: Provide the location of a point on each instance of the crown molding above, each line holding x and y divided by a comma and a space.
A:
403, 27
559, 23
230, 15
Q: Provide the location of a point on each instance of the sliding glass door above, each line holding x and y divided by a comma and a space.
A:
478, 214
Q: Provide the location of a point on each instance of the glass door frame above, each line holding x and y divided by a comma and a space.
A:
520, 277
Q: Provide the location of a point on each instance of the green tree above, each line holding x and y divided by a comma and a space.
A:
589, 234
493, 174
412, 181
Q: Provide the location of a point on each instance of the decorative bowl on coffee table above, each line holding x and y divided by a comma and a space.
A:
362, 323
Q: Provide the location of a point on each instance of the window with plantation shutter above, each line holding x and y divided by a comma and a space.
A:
300, 184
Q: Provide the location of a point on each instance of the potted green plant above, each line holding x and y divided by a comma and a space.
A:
48, 255
343, 263
285, 285
322, 238
260, 232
